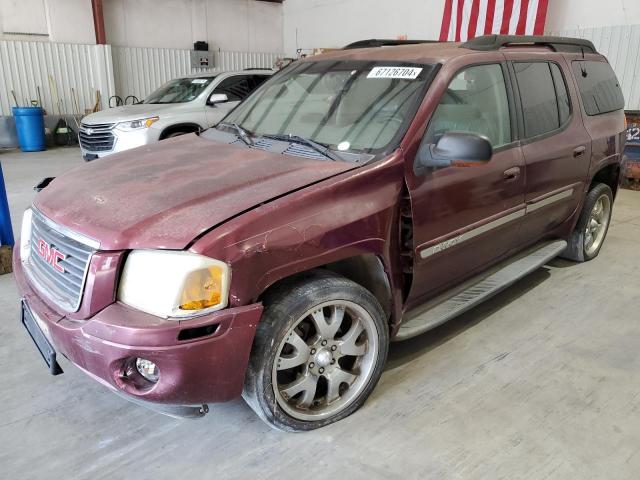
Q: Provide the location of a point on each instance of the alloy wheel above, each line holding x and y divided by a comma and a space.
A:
325, 360
597, 225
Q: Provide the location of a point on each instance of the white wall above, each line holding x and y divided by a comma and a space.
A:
53, 20
71, 21
576, 14
240, 25
335, 23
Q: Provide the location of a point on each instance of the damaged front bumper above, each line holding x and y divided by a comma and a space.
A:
200, 361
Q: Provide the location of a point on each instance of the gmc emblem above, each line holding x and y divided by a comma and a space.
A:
51, 255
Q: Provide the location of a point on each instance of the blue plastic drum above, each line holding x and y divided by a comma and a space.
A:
30, 127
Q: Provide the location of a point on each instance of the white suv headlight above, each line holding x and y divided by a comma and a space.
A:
173, 284
25, 235
137, 124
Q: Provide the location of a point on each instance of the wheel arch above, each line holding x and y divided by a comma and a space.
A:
609, 175
187, 127
367, 270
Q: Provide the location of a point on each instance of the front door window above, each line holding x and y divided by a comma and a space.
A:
475, 102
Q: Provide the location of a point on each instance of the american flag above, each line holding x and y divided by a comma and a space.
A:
466, 19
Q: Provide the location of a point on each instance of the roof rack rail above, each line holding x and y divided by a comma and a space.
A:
375, 42
257, 68
557, 44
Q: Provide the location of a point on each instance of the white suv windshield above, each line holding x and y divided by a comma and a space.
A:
346, 105
179, 90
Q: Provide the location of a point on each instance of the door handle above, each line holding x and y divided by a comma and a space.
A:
578, 152
512, 173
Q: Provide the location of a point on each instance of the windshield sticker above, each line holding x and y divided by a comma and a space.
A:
343, 146
199, 80
407, 73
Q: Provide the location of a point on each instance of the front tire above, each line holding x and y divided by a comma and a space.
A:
175, 134
318, 353
592, 227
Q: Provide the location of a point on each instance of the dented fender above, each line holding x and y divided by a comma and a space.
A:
351, 214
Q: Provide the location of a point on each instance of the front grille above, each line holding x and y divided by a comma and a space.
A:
63, 285
96, 138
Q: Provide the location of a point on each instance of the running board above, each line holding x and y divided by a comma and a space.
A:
475, 291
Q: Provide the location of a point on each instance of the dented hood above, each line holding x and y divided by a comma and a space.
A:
166, 194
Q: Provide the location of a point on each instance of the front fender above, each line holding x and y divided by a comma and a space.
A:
352, 214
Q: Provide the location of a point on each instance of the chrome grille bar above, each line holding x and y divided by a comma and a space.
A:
96, 138
65, 285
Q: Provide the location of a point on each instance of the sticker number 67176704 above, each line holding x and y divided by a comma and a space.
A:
406, 73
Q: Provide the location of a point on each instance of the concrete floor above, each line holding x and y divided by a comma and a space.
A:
541, 382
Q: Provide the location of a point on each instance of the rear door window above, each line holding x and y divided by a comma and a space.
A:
564, 104
599, 87
540, 106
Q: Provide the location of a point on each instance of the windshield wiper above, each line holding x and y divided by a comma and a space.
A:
244, 135
318, 147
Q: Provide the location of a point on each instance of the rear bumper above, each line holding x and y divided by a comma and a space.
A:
195, 371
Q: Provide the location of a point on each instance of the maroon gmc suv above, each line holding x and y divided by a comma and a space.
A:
355, 198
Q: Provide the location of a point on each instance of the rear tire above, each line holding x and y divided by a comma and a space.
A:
318, 353
591, 230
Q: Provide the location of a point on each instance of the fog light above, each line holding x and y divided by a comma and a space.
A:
147, 369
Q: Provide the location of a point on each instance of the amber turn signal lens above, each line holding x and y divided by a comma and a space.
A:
150, 121
202, 289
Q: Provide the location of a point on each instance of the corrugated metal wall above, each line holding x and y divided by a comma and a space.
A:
124, 71
24, 66
621, 45
139, 71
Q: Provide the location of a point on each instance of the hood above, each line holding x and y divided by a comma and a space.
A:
126, 113
165, 194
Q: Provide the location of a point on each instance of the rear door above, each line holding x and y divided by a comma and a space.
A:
465, 219
555, 144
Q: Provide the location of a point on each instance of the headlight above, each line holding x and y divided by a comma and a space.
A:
137, 124
25, 235
172, 284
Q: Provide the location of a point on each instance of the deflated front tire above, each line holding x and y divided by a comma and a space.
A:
318, 353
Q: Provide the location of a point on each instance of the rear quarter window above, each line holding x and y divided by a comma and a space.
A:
599, 87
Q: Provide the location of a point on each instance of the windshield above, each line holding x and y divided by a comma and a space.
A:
179, 90
346, 105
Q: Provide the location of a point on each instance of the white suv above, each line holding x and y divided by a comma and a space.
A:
183, 105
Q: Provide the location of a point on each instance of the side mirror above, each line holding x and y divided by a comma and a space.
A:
215, 98
457, 149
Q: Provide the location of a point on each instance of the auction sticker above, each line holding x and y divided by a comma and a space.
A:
199, 80
407, 73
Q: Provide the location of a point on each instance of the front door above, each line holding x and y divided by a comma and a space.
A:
467, 218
